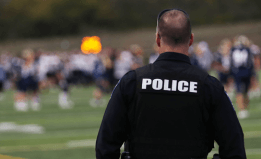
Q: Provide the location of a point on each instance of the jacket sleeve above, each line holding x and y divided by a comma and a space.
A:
227, 129
115, 124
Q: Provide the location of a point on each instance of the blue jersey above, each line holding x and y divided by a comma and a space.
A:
2, 73
17, 67
241, 60
99, 70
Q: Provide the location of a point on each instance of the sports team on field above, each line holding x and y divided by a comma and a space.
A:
236, 61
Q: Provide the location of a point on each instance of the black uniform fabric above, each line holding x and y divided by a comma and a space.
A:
170, 109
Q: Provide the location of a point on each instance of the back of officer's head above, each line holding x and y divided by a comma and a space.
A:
174, 28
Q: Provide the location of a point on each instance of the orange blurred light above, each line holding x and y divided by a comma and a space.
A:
91, 45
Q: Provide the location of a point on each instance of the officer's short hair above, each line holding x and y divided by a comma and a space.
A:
174, 26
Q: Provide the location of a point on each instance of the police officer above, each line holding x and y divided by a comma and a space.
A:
170, 109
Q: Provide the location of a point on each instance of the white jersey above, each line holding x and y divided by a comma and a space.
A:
255, 50
207, 58
83, 62
43, 67
47, 63
123, 64
27, 71
205, 61
6, 63
226, 62
153, 57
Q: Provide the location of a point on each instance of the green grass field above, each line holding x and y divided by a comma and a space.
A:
71, 133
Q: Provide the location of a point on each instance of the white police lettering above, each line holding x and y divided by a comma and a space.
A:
145, 82
174, 85
193, 87
166, 85
157, 84
181, 86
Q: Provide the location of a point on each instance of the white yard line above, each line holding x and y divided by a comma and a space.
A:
49, 147
80, 111
81, 143
86, 132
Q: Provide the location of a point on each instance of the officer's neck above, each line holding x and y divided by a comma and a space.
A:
182, 49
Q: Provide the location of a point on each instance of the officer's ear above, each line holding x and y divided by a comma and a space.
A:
191, 40
158, 39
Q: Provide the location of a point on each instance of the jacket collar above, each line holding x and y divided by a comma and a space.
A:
173, 56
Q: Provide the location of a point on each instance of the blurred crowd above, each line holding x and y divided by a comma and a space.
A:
236, 61
33, 71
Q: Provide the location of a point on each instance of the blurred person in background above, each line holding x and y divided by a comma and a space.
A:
204, 56
123, 64
192, 55
155, 54
47, 65
242, 70
137, 58
82, 67
255, 87
27, 83
2, 79
64, 81
16, 64
100, 78
107, 59
89, 68
7, 65
53, 71
222, 65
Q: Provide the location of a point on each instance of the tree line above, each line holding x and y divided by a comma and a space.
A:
41, 18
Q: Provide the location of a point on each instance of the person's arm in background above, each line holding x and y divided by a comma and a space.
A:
227, 129
115, 124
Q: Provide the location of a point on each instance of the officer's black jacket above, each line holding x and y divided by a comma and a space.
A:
170, 122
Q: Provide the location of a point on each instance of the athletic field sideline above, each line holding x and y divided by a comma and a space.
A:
55, 133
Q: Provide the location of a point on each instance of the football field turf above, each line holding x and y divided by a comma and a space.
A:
71, 133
